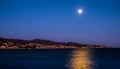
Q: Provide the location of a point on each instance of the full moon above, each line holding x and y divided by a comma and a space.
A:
80, 11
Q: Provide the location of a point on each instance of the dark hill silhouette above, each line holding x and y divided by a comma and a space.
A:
43, 42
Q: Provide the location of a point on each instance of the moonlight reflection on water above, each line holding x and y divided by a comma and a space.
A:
80, 60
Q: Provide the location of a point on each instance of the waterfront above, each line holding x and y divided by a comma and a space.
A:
107, 58
6, 43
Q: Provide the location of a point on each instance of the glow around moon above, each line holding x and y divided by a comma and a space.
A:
80, 11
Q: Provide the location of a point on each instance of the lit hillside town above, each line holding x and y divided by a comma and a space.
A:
42, 44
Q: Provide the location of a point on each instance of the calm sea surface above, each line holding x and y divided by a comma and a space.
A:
60, 59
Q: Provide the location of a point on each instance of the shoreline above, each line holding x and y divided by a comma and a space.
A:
58, 48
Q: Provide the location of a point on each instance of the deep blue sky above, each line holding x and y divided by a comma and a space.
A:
58, 20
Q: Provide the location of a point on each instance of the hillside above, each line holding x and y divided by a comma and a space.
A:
40, 43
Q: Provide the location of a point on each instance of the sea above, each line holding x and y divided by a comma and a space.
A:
105, 58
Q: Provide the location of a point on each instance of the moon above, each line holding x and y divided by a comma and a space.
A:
80, 11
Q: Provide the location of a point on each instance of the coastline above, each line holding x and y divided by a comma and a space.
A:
6, 43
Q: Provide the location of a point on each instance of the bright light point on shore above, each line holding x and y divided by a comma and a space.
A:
80, 11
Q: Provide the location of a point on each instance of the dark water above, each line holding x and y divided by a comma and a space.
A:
60, 59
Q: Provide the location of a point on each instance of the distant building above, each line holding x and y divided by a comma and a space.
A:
2, 47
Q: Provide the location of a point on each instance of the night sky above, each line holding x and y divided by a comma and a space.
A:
59, 20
